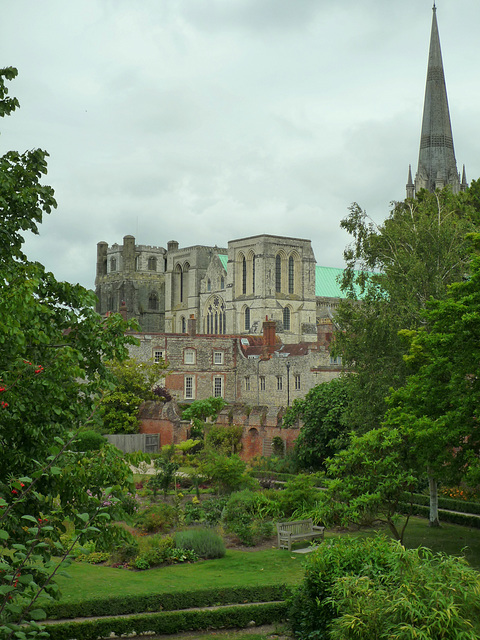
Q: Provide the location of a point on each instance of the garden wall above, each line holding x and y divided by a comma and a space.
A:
260, 426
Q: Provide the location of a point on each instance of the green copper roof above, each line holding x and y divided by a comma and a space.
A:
223, 260
326, 282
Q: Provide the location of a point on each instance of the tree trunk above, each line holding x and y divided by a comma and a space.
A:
433, 516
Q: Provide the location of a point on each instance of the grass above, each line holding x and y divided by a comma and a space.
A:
236, 569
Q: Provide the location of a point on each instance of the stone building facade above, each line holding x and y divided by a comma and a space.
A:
229, 291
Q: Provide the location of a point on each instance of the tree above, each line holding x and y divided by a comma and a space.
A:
368, 481
52, 350
133, 383
200, 411
324, 431
394, 269
437, 408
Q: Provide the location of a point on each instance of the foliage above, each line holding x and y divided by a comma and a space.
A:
52, 350
88, 440
225, 440
206, 543
134, 383
375, 588
200, 411
324, 431
368, 481
155, 550
299, 493
227, 473
248, 515
157, 517
395, 268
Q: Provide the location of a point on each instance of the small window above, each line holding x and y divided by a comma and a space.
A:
209, 285
262, 383
278, 273
222, 283
158, 355
189, 356
188, 387
335, 360
297, 381
286, 318
247, 383
183, 325
291, 274
152, 264
218, 357
153, 302
247, 319
279, 383
217, 387
113, 264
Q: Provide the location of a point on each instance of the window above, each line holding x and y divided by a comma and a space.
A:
244, 276
278, 273
188, 387
113, 264
189, 356
158, 355
209, 285
183, 325
247, 319
222, 283
335, 360
279, 383
262, 383
153, 302
286, 319
152, 264
253, 274
217, 387
291, 274
247, 383
297, 381
216, 316
218, 357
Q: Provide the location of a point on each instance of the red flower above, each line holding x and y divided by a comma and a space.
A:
4, 404
2, 388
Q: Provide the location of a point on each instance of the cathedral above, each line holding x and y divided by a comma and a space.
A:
232, 290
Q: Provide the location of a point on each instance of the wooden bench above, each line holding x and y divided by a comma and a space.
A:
288, 532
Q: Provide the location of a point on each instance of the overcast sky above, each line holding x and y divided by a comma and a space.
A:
202, 121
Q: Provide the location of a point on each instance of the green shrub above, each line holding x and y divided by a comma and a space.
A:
247, 513
125, 552
88, 441
95, 557
357, 588
193, 513
206, 543
299, 494
213, 509
154, 551
158, 517
227, 473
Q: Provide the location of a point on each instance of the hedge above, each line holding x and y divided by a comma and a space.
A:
463, 519
281, 477
446, 503
118, 605
171, 622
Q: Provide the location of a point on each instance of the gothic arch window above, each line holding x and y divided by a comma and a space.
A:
253, 274
113, 264
222, 282
152, 263
291, 274
110, 303
244, 275
246, 318
215, 315
178, 284
153, 302
278, 273
183, 325
286, 318
186, 268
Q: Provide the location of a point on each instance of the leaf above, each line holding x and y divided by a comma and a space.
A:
29, 518
83, 516
3, 534
38, 614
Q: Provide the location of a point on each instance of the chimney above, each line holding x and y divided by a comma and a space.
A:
192, 326
324, 332
269, 337
123, 310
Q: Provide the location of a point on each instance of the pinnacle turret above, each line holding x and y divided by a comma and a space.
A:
437, 166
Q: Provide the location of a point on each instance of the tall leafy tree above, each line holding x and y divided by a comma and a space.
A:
52, 351
395, 268
437, 408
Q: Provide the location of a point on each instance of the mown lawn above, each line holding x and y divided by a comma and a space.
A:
240, 568
236, 569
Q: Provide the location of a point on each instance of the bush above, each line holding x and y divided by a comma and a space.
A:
246, 514
204, 542
227, 473
358, 588
158, 517
88, 441
95, 557
154, 551
213, 510
298, 495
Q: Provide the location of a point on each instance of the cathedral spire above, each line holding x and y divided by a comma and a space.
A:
437, 166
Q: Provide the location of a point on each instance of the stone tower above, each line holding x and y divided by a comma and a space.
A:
437, 166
